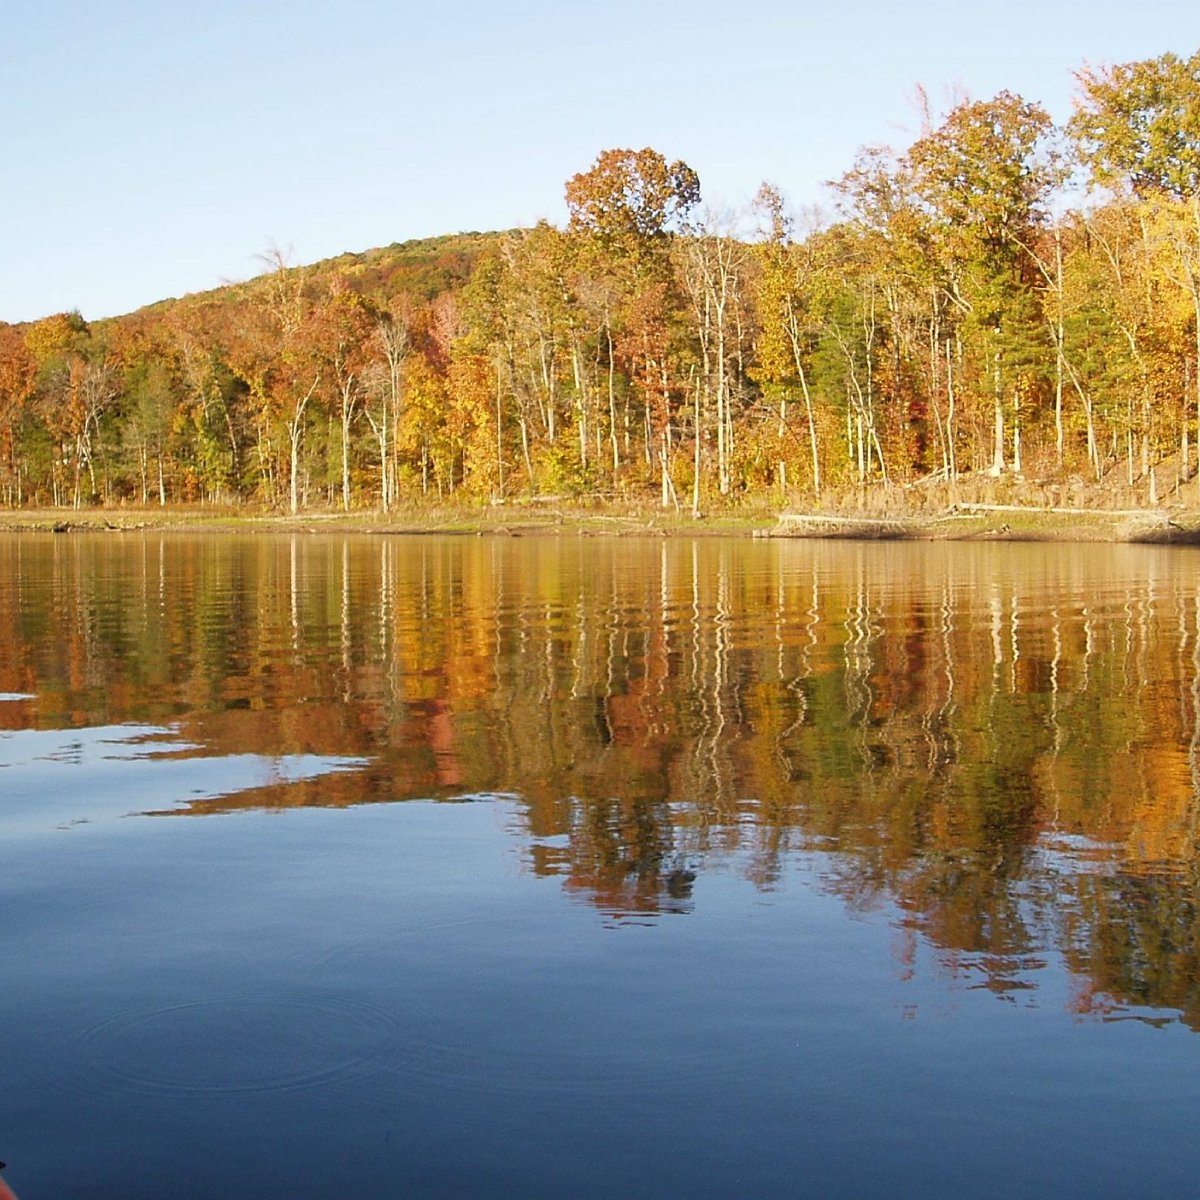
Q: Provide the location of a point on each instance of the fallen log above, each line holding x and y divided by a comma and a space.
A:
822, 519
1156, 514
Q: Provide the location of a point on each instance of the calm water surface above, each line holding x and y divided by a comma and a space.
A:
571, 867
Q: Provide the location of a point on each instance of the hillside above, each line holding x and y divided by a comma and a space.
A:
966, 330
423, 268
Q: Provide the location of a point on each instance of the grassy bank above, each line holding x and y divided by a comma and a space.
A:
847, 517
514, 519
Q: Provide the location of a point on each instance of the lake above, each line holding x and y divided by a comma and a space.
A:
567, 866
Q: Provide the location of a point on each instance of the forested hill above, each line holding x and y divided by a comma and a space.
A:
422, 269
1001, 300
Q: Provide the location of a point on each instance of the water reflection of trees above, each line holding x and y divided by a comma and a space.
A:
1000, 741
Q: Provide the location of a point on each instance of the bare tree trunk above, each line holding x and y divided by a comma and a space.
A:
295, 429
582, 406
812, 427
499, 428
997, 418
1017, 432
612, 399
347, 414
696, 426
1059, 335
392, 337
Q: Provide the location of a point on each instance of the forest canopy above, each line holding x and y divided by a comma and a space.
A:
1003, 299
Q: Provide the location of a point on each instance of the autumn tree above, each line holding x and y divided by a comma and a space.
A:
906, 319
491, 338
938, 321
343, 324
986, 186
848, 303
632, 200
626, 208
151, 406
18, 378
274, 353
1137, 127
786, 333
387, 349
78, 381
217, 404
715, 265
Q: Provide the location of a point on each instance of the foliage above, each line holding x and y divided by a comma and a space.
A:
956, 317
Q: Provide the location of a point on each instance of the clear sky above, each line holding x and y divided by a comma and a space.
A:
156, 148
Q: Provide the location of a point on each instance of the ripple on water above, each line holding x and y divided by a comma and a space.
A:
475, 1031
518, 1058
240, 1044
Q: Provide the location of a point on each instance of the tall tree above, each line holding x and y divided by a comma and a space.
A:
628, 206
18, 378
786, 331
1137, 126
631, 200
987, 185
342, 329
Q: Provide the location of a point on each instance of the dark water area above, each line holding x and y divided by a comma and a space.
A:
384, 867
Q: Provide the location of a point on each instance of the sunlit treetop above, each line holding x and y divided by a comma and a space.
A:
632, 195
981, 170
1138, 124
54, 335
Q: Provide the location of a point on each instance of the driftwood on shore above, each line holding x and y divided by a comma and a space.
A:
1152, 525
823, 519
1148, 514
824, 525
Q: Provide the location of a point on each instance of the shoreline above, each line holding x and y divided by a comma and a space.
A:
957, 522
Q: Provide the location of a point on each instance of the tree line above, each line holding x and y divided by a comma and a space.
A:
1005, 298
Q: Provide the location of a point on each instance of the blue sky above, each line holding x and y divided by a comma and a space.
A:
152, 149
